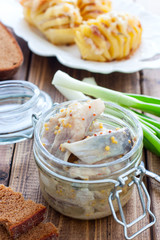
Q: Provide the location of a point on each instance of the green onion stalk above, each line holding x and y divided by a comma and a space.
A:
75, 89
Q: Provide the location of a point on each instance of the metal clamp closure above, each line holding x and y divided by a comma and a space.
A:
136, 175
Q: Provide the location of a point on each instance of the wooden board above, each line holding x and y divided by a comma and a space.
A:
18, 168
24, 175
151, 87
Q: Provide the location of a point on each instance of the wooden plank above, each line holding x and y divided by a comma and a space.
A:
5, 163
24, 175
151, 87
6, 152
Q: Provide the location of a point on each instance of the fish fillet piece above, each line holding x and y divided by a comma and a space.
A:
49, 128
97, 148
75, 125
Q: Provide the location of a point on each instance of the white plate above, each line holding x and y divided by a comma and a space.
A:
147, 56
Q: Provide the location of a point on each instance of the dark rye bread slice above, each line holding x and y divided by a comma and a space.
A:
44, 231
18, 215
11, 56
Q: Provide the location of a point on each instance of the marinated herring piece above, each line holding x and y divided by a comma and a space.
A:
97, 128
85, 202
50, 129
96, 148
75, 124
74, 134
81, 189
88, 173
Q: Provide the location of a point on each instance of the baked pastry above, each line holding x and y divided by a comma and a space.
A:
56, 19
11, 56
44, 231
112, 36
90, 9
18, 215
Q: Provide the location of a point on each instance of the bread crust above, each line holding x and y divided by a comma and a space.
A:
47, 234
18, 225
17, 229
52, 237
6, 73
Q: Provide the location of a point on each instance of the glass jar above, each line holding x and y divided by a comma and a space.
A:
19, 100
60, 181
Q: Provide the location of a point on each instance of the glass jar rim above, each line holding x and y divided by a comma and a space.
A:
25, 106
19, 100
68, 164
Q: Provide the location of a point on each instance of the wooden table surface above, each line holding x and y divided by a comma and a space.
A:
18, 169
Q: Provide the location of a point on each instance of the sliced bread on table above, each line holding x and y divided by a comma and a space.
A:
18, 215
11, 56
44, 231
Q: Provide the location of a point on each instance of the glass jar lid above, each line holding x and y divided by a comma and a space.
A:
19, 100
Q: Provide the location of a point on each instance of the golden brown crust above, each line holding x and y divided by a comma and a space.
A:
8, 73
112, 36
6, 42
40, 3
44, 231
17, 229
57, 20
23, 214
91, 9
